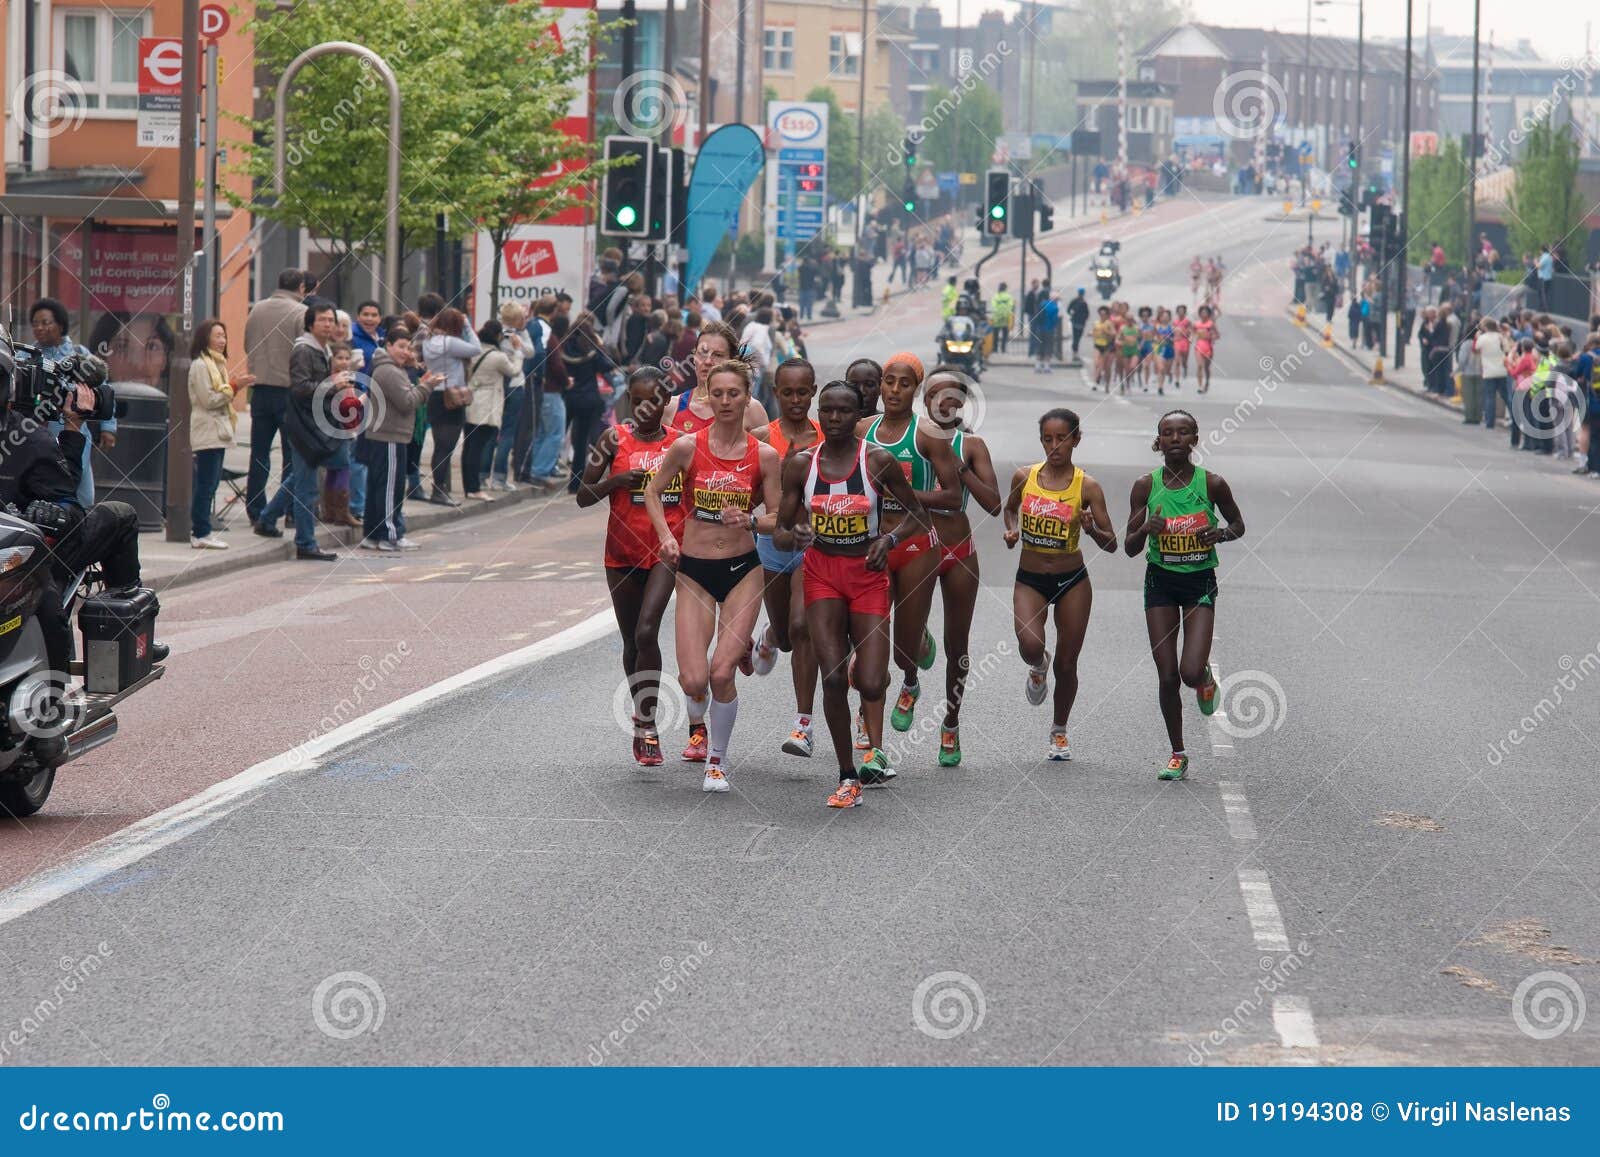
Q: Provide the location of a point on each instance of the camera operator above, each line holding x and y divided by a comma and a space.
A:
39, 478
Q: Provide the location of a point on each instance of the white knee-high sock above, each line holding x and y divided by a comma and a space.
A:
697, 708
719, 726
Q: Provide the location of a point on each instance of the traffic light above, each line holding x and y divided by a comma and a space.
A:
1347, 201
1047, 215
1352, 156
908, 198
625, 190
1022, 213
913, 142
996, 202
661, 200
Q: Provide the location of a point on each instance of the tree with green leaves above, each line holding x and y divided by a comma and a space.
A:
977, 107
474, 107
1438, 202
1544, 203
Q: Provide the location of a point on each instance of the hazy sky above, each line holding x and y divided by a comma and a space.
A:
1556, 27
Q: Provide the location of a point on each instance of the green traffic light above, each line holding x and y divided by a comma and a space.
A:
627, 216
911, 206
997, 212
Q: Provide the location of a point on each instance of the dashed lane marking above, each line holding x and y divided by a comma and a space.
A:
1266, 923
1291, 1019
1241, 825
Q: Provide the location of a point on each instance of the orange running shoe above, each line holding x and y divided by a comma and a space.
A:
848, 794
698, 743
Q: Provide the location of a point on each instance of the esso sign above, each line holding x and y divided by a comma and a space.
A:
160, 63
214, 21
798, 125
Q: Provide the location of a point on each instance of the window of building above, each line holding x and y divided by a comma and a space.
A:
1316, 87
1302, 85
777, 49
99, 48
844, 54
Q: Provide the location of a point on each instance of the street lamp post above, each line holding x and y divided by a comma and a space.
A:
1472, 145
1405, 204
1361, 144
1305, 109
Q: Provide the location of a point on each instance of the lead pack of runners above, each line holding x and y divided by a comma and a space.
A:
827, 537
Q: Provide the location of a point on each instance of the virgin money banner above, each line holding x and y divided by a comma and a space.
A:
537, 259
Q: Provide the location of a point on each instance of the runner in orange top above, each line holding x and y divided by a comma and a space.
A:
621, 465
725, 474
795, 385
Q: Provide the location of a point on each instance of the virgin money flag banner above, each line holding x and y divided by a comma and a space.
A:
537, 259
725, 168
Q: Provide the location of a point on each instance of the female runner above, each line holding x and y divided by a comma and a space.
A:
717, 343
925, 458
1174, 510
1102, 334
944, 397
793, 430
1049, 505
866, 375
1147, 346
1182, 329
831, 497
1205, 345
724, 473
620, 467
1166, 351
1127, 351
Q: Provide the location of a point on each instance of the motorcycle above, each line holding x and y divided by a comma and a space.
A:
51, 717
1107, 273
959, 345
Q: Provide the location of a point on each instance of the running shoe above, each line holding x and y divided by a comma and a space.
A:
848, 794
766, 653
798, 743
1039, 682
905, 706
747, 661
696, 751
1177, 767
1060, 751
863, 742
930, 650
646, 745
875, 769
1206, 694
949, 747
715, 779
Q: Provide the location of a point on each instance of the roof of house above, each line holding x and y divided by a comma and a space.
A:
1246, 44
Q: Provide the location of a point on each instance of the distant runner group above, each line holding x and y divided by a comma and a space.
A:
843, 527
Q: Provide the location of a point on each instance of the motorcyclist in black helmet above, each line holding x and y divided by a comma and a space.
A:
39, 475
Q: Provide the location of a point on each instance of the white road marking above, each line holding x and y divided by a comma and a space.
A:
1241, 825
151, 834
1291, 1018
1265, 921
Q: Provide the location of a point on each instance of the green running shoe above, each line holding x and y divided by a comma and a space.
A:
930, 650
1206, 694
1177, 767
949, 747
905, 706
875, 769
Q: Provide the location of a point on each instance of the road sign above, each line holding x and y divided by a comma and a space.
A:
160, 91
214, 21
927, 187
1305, 150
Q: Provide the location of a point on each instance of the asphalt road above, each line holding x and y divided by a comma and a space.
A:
1352, 874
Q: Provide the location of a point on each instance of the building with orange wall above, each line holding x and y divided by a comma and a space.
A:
75, 170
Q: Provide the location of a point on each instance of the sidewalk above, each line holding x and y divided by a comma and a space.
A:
1407, 379
166, 565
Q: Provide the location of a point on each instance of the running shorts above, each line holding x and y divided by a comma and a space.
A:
1052, 586
718, 576
846, 578
950, 555
911, 549
1179, 588
778, 561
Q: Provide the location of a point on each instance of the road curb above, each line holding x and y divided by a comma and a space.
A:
419, 516
1355, 361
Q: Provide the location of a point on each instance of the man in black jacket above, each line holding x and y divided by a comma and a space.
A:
39, 475
310, 429
1078, 314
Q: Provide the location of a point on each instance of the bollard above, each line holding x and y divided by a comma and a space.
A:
1377, 373
1288, 208
885, 295
1300, 314
1327, 337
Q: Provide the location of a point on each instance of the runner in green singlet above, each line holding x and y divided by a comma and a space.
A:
1173, 518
